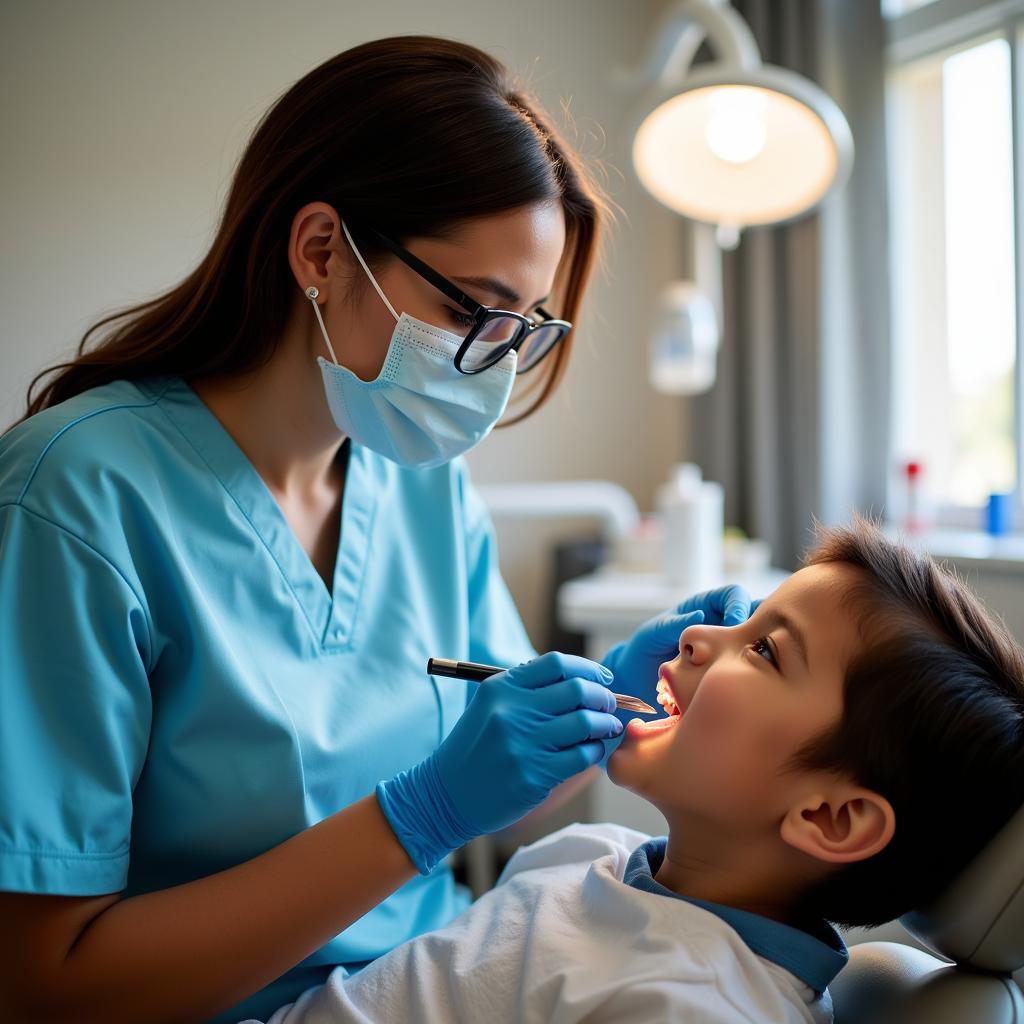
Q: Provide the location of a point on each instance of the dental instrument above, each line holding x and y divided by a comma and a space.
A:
476, 673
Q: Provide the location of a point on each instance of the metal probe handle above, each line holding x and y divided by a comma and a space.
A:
475, 672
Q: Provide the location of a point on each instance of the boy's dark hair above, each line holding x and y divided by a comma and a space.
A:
933, 720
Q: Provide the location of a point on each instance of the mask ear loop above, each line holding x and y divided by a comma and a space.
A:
311, 293
362, 263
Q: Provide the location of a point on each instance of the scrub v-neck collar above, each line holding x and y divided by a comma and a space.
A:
331, 616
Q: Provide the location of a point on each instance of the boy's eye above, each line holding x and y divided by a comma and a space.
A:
763, 646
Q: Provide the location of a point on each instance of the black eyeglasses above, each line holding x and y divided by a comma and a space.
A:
491, 332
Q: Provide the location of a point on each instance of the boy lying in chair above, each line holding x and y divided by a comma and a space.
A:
836, 759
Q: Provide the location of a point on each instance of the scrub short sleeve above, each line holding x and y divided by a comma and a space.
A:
76, 710
496, 632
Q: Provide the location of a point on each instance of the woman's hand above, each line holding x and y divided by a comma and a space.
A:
524, 732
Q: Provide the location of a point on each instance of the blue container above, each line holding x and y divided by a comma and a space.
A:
999, 520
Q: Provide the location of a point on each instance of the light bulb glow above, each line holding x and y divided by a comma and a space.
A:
796, 162
736, 130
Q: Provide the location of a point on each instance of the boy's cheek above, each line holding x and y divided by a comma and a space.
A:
717, 706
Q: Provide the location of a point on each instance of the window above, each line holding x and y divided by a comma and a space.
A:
894, 8
953, 242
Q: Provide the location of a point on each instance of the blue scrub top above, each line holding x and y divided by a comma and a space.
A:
181, 693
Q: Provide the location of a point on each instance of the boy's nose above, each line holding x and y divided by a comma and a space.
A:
694, 646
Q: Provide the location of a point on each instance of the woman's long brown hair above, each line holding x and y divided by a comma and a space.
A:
411, 135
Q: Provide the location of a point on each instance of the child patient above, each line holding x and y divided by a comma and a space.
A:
834, 760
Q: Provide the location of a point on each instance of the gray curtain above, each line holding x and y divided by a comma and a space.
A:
797, 424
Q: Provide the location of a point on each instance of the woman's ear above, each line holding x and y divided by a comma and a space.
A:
840, 826
315, 239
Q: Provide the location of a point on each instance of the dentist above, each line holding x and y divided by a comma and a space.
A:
233, 531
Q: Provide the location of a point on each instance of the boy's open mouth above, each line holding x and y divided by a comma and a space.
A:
667, 701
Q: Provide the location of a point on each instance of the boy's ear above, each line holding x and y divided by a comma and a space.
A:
841, 826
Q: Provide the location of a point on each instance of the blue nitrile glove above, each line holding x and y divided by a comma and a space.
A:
523, 732
636, 661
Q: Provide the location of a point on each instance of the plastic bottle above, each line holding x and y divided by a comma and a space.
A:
999, 515
684, 343
914, 519
692, 513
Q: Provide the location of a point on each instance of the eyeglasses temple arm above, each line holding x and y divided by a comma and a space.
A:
442, 284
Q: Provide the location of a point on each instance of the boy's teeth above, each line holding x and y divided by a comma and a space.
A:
665, 698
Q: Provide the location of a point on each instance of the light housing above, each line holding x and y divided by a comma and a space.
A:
736, 142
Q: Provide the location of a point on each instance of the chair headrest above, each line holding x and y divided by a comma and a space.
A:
979, 918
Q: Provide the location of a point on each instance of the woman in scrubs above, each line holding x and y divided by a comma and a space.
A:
233, 531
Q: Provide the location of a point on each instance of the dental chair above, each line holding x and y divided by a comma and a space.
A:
976, 928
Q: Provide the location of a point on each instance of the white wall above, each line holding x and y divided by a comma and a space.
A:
122, 121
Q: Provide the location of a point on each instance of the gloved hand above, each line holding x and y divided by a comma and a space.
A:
636, 661
522, 733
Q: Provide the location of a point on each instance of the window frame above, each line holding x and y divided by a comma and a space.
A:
946, 27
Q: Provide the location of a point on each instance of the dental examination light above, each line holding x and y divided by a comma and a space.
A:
734, 142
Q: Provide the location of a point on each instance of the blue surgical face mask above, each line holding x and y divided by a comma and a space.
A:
420, 411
